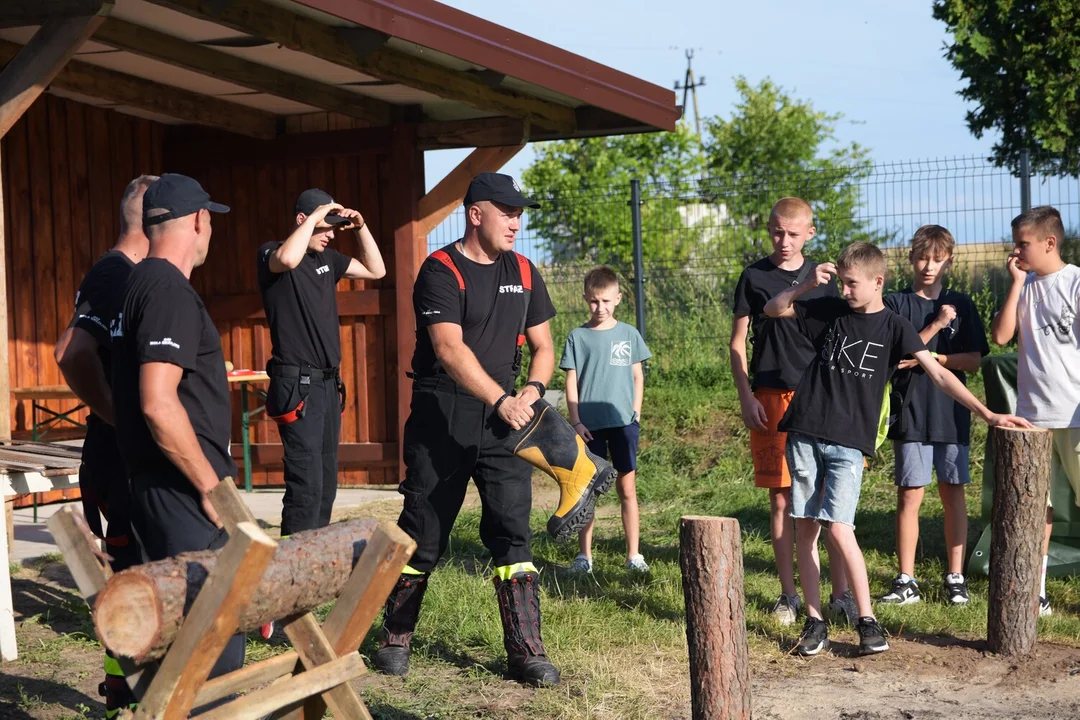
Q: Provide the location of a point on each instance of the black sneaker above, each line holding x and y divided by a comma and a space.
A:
1044, 607
956, 589
871, 636
814, 638
904, 592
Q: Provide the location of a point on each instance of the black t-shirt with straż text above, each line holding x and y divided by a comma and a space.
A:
839, 396
494, 304
301, 307
97, 303
164, 320
928, 415
780, 350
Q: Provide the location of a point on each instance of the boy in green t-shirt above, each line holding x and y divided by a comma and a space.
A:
604, 388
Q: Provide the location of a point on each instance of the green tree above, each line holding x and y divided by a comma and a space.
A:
584, 187
1021, 62
773, 146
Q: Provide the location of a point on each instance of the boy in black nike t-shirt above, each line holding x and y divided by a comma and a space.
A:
833, 419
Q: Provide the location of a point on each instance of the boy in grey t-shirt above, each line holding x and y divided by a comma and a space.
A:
604, 388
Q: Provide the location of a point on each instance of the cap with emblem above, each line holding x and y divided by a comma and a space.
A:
497, 188
175, 196
311, 200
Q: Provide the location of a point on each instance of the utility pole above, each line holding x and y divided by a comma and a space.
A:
689, 85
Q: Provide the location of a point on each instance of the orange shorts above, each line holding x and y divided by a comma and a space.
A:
769, 447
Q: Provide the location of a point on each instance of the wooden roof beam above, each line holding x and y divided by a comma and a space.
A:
476, 133
150, 43
31, 68
364, 50
444, 198
154, 97
27, 13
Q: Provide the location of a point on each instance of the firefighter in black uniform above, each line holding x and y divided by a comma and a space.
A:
84, 355
298, 280
170, 391
476, 303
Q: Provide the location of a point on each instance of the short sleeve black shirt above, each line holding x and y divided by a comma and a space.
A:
97, 303
839, 396
780, 351
301, 307
493, 306
927, 414
164, 320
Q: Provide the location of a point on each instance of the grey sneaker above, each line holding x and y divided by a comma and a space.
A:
843, 609
637, 564
787, 608
581, 565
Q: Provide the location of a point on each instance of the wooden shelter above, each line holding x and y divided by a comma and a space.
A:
258, 100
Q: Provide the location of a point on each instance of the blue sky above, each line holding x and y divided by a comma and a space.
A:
879, 64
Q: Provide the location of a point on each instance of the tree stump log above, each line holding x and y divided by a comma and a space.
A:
1018, 526
139, 612
710, 555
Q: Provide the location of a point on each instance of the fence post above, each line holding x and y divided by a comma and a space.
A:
1025, 180
639, 261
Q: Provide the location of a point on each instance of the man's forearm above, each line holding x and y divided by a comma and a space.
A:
294, 248
87, 380
171, 429
370, 257
542, 365
461, 364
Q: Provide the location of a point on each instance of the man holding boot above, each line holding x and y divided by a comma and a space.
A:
477, 302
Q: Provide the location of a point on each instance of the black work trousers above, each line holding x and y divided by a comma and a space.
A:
451, 436
311, 446
168, 519
103, 485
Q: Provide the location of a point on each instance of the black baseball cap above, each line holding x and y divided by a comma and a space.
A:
498, 188
179, 196
314, 198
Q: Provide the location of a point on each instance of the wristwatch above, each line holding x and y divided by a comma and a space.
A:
540, 388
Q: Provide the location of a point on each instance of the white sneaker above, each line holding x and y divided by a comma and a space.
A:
787, 608
1044, 607
637, 564
581, 565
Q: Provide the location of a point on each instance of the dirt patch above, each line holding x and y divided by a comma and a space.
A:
927, 677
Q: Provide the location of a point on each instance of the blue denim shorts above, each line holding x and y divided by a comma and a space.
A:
825, 479
915, 461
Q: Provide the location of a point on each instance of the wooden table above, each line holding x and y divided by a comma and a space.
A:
247, 379
40, 393
28, 468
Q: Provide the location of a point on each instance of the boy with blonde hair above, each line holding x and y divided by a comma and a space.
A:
832, 421
780, 354
932, 431
604, 390
1042, 305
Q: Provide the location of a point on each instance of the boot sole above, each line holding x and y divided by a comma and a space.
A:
580, 515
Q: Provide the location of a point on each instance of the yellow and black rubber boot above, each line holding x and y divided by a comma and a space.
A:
399, 622
550, 443
115, 689
519, 606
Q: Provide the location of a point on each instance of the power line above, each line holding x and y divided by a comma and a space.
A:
690, 85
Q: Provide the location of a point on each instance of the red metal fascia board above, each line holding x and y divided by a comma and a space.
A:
433, 25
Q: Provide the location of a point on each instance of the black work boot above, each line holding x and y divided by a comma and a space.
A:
399, 622
519, 606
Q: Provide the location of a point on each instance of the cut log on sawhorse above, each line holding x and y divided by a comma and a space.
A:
303, 683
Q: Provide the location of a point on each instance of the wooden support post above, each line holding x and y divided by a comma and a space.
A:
8, 647
710, 555
209, 625
1018, 527
410, 250
437, 205
30, 72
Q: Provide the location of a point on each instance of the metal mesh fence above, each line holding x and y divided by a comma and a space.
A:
698, 234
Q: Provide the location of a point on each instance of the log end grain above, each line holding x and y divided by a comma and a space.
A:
127, 615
